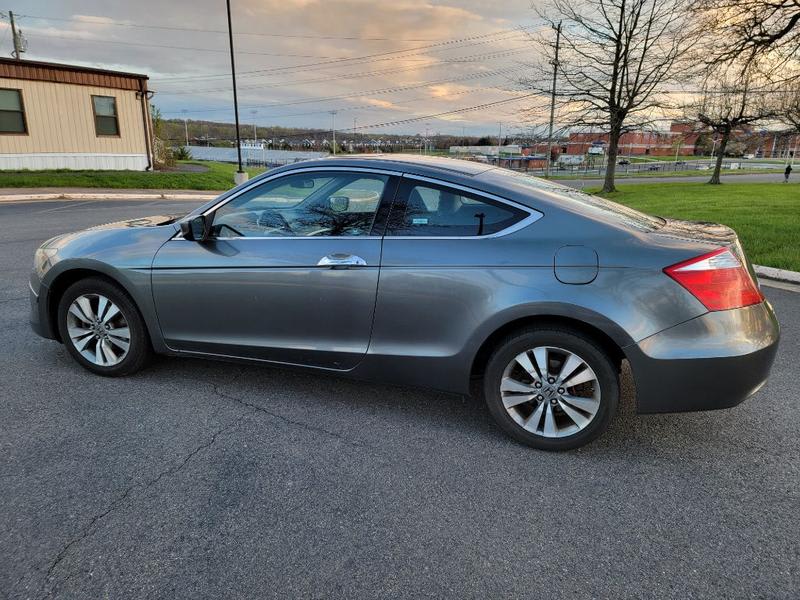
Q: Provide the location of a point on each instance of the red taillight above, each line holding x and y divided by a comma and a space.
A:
718, 279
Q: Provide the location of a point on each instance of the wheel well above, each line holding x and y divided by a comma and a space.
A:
60, 285
541, 321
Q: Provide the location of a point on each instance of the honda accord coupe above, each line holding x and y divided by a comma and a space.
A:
425, 272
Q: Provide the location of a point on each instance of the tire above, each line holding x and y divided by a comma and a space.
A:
96, 342
569, 415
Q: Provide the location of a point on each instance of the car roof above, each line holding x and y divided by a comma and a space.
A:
409, 163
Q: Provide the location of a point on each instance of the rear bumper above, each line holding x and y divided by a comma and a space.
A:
714, 361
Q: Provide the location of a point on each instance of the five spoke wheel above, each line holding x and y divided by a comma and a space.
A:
550, 391
98, 329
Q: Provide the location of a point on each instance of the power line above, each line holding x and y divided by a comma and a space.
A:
221, 31
369, 57
348, 108
348, 76
193, 48
390, 90
453, 59
441, 114
446, 113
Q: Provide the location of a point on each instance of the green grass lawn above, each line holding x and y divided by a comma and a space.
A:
621, 174
765, 215
219, 176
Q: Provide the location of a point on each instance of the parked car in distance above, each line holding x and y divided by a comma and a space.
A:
427, 272
623, 162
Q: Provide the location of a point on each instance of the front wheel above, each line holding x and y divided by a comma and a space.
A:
102, 329
552, 389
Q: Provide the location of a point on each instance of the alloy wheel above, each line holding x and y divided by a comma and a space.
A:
550, 392
98, 329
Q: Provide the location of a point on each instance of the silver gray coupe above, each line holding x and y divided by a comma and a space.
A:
426, 272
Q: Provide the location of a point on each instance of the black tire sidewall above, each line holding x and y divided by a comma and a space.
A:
585, 348
139, 350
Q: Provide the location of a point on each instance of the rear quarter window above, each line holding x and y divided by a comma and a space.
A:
586, 203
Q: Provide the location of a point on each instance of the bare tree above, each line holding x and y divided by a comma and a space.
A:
614, 58
748, 30
729, 102
789, 107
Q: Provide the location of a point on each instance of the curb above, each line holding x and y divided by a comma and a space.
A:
8, 198
777, 274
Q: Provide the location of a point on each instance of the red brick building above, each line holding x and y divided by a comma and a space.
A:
683, 137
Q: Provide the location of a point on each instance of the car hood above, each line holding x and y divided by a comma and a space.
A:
153, 221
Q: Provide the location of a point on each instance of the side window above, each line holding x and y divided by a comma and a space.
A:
436, 211
304, 205
105, 115
12, 112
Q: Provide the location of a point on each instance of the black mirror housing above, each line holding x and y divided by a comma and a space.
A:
195, 229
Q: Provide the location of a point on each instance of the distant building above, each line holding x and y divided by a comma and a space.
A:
508, 150
55, 116
681, 136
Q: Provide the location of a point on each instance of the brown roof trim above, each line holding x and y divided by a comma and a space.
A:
59, 73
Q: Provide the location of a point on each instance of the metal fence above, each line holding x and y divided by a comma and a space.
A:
260, 157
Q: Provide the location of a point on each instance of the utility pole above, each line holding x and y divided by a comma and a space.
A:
240, 176
17, 53
333, 130
553, 102
355, 144
253, 112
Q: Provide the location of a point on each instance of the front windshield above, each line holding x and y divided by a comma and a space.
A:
601, 206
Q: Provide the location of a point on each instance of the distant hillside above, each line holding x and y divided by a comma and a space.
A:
214, 133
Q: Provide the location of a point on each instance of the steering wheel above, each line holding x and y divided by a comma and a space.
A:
321, 231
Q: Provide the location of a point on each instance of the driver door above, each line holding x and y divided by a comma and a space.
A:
289, 275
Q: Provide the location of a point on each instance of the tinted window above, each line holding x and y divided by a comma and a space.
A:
586, 202
12, 115
438, 211
304, 205
105, 115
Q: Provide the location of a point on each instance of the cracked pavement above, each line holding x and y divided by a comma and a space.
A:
203, 479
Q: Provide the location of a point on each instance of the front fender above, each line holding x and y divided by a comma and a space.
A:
124, 256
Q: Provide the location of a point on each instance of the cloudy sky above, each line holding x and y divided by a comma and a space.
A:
375, 61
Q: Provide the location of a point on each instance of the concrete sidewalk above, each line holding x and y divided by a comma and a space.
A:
48, 194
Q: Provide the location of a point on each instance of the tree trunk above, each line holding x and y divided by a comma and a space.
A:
726, 134
611, 167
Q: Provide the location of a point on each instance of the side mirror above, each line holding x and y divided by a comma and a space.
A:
195, 229
339, 203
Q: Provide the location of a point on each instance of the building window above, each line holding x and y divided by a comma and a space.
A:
12, 112
105, 115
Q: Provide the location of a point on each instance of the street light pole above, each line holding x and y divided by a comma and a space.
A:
240, 176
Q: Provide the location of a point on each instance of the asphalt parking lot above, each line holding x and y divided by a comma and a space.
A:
200, 479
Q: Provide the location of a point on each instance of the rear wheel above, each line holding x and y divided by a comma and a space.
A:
552, 389
102, 329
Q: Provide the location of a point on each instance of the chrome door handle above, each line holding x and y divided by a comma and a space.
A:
341, 260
